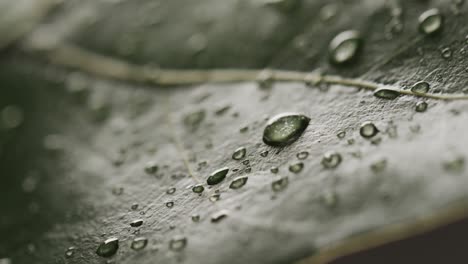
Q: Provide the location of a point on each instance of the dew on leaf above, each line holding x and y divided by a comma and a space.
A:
302, 155
239, 153
274, 170
238, 182
264, 153
68, 253
169, 204
198, 188
171, 190
345, 46
136, 223
296, 167
331, 160
430, 21
368, 130
386, 93
177, 243
284, 129
139, 243
218, 216
217, 176
280, 184
421, 87
421, 106
108, 248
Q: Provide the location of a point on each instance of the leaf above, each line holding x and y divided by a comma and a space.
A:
98, 110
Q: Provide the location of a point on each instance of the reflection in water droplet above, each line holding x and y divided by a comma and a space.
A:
171, 190
11, 117
239, 153
139, 243
280, 184
68, 254
274, 170
108, 248
238, 182
421, 106
284, 129
217, 176
345, 46
368, 130
296, 167
421, 87
218, 216
456, 165
386, 93
169, 204
302, 155
177, 243
331, 160
379, 165
198, 188
430, 21
136, 223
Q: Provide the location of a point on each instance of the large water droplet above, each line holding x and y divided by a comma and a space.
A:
280, 184
386, 93
368, 130
284, 129
239, 153
238, 182
296, 167
198, 188
139, 243
331, 160
136, 223
421, 87
177, 243
345, 46
218, 216
421, 106
430, 21
108, 248
217, 176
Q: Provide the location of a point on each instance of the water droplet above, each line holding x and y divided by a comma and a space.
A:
341, 134
379, 165
244, 129
177, 243
238, 182
430, 21
368, 130
456, 165
198, 188
139, 243
136, 223
331, 160
274, 170
108, 248
239, 153
446, 53
386, 93
284, 129
329, 198
171, 190
215, 197
217, 176
421, 87
421, 106
169, 204
134, 206
296, 167
218, 216
11, 117
151, 168
194, 119
264, 153
117, 191
345, 46
280, 184
68, 254
195, 218
302, 155
265, 79
246, 162
248, 169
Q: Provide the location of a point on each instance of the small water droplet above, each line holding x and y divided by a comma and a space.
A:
296, 167
421, 87
11, 117
456, 165
302, 155
430, 21
329, 198
341, 134
246, 162
421, 106
274, 170
238, 182
139, 243
136, 223
171, 190
134, 206
194, 119
215, 197
280, 184
345, 46
151, 168
196, 218
177, 243
368, 130
284, 129
379, 165
446, 53
387, 93
217, 176
264, 153
108, 248
331, 160
169, 204
239, 153
198, 188
244, 129
117, 191
218, 216
68, 253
